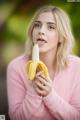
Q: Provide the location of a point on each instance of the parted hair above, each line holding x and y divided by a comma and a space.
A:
64, 30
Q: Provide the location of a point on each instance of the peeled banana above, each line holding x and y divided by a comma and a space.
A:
35, 64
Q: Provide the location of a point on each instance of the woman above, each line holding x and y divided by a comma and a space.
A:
58, 97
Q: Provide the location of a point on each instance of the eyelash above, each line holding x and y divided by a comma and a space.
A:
39, 26
36, 25
51, 27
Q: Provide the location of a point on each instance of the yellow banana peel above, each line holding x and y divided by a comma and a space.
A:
35, 64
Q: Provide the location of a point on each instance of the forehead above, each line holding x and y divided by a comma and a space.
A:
46, 17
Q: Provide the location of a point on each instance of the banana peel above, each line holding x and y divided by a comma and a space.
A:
35, 64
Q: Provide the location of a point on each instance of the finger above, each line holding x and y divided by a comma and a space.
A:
40, 92
41, 89
39, 73
42, 76
40, 85
43, 81
48, 80
38, 89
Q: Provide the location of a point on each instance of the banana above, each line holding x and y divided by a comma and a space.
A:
35, 64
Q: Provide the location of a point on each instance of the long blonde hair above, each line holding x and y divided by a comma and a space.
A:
64, 30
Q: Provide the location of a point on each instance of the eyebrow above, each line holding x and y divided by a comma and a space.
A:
51, 23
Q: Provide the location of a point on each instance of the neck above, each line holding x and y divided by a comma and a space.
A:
49, 58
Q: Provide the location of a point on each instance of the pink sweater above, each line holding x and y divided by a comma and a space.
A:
63, 103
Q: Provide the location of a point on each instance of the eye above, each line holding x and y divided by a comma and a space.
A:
36, 25
51, 27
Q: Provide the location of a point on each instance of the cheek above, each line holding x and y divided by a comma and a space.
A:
34, 34
54, 38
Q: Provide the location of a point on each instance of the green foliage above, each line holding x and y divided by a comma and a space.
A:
16, 17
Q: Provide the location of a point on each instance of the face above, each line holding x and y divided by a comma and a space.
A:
45, 33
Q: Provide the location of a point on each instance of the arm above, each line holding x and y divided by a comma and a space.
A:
22, 105
57, 106
60, 108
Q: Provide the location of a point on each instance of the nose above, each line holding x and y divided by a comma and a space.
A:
42, 30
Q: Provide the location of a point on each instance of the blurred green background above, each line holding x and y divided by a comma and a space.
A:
15, 16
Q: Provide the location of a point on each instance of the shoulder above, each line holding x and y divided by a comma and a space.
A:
18, 61
74, 64
74, 61
75, 70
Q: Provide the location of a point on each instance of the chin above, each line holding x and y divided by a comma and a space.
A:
43, 50
46, 50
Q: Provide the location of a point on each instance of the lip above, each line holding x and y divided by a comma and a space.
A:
41, 42
41, 39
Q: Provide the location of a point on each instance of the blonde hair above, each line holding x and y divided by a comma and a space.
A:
65, 34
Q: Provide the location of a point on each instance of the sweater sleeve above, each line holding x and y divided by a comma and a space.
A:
60, 108
20, 101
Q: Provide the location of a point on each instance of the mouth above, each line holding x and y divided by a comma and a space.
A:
41, 41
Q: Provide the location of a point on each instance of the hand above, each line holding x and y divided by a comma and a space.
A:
42, 86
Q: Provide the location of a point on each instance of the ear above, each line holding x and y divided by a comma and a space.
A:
33, 43
59, 44
61, 39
